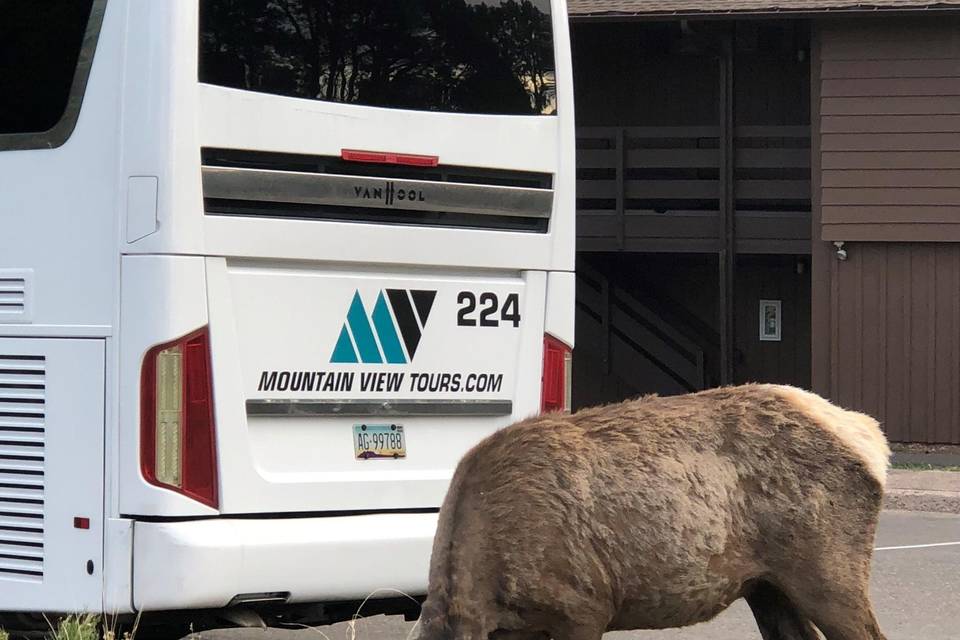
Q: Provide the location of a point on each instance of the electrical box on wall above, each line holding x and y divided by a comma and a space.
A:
770, 321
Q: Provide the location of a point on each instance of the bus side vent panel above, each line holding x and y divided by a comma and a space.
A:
270, 185
15, 295
22, 442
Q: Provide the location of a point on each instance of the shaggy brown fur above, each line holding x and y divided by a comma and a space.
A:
660, 512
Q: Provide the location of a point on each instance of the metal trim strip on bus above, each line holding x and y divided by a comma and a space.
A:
318, 408
268, 185
59, 133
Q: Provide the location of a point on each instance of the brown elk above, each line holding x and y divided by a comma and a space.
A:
661, 512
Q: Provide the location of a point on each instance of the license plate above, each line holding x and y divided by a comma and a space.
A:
379, 442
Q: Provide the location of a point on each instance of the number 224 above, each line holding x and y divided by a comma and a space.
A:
489, 304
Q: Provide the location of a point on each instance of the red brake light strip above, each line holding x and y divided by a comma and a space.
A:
387, 157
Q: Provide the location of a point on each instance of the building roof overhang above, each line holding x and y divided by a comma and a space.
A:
583, 9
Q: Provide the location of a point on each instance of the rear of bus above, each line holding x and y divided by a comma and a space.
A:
347, 248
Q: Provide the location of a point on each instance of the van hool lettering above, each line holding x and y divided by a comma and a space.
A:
389, 194
381, 382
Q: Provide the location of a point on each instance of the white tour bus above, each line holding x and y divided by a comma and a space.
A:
267, 270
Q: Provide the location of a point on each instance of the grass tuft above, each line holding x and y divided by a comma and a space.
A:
4, 635
78, 627
919, 466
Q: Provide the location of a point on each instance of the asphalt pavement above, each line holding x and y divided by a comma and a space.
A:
915, 588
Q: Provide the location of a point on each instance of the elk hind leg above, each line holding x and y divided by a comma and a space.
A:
777, 617
841, 613
853, 622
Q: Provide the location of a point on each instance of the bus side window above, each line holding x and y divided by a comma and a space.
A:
40, 45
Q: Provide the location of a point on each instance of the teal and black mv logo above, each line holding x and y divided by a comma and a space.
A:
390, 334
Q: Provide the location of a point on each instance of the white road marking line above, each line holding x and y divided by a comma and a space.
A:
919, 546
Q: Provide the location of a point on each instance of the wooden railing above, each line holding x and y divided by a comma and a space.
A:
658, 188
772, 190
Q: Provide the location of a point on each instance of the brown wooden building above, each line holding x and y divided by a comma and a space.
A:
771, 192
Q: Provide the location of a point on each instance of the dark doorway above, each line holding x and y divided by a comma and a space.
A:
776, 289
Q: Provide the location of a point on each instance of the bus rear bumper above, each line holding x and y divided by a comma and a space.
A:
208, 563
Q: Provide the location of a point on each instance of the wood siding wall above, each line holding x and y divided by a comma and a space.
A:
886, 180
889, 103
896, 337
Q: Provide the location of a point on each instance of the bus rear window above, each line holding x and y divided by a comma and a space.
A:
469, 56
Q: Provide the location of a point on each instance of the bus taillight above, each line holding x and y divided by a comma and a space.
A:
557, 370
177, 441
